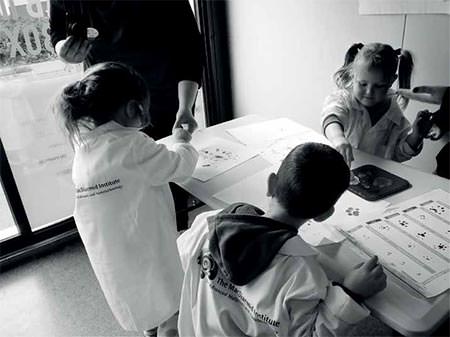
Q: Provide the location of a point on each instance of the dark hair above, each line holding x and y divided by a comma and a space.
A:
311, 179
379, 56
103, 89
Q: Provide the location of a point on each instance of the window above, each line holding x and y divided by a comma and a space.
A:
30, 76
36, 192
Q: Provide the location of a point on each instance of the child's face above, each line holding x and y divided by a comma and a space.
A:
370, 85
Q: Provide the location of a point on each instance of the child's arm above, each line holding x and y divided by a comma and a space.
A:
335, 119
161, 165
410, 140
333, 312
420, 129
335, 133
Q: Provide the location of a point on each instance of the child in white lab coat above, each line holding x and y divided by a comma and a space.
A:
364, 113
248, 273
124, 209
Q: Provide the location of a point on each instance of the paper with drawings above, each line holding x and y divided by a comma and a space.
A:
412, 240
263, 134
347, 210
218, 155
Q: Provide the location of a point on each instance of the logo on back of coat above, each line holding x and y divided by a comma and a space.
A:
208, 267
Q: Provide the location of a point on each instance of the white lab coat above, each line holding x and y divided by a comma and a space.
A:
292, 297
125, 215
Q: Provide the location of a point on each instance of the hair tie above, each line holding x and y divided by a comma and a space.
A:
398, 51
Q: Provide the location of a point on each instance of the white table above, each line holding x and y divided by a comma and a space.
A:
398, 306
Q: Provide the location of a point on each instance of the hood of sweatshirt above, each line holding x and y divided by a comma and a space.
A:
243, 242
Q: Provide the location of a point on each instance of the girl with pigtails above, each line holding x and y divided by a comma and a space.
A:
365, 113
124, 210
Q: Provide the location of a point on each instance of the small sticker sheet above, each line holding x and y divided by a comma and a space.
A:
411, 240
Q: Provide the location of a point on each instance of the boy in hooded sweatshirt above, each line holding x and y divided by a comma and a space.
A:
249, 273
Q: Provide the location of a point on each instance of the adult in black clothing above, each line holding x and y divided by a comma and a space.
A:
438, 123
160, 39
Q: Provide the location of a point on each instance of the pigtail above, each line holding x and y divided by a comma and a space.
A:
405, 68
342, 77
351, 53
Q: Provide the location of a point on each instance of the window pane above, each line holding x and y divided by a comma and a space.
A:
7, 224
30, 76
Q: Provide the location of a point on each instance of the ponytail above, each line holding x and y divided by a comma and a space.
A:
342, 77
94, 99
71, 107
405, 67
351, 53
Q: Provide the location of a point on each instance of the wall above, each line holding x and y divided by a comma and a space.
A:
284, 53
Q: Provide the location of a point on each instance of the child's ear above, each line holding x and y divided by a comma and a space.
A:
272, 181
133, 109
325, 215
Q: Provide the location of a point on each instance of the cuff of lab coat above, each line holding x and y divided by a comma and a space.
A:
344, 307
410, 151
329, 120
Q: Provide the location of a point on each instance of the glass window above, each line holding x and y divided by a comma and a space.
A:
30, 76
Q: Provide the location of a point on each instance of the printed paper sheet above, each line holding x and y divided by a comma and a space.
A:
411, 240
219, 155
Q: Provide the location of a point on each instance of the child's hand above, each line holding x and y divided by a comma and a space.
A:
181, 135
435, 132
342, 145
366, 279
423, 123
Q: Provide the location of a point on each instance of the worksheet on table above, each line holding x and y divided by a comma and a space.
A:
411, 239
218, 155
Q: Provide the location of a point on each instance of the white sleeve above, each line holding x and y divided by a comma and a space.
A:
190, 242
322, 309
403, 151
161, 165
335, 109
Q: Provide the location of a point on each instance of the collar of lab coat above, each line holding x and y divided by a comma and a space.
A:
110, 126
394, 113
296, 246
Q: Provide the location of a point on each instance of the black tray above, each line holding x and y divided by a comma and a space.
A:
375, 183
